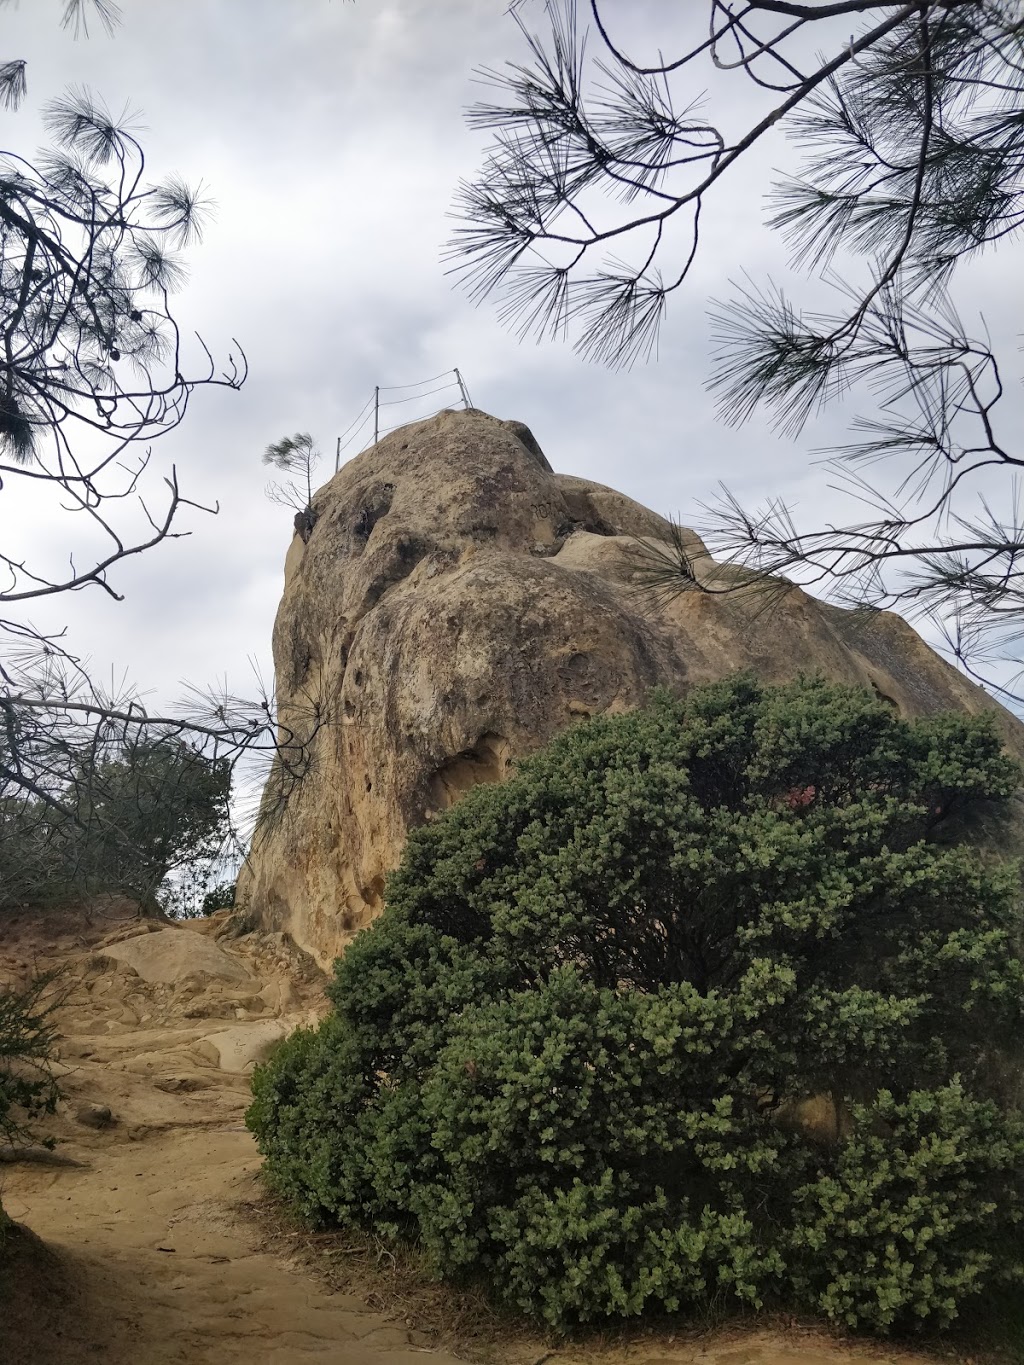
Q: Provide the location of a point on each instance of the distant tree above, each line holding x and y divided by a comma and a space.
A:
220, 896
146, 813
121, 821
299, 457
915, 137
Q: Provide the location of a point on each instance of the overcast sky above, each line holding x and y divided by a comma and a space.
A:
331, 136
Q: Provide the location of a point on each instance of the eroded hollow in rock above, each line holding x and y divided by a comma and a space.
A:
376, 503
399, 563
487, 761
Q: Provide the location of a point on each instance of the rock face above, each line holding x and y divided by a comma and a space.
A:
240, 1049
454, 606
172, 955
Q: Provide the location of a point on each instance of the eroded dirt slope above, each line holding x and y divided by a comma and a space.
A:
147, 1255
153, 1262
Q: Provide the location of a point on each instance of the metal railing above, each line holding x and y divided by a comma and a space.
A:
371, 410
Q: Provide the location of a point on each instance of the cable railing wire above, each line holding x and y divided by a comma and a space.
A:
414, 398
355, 430
363, 411
393, 388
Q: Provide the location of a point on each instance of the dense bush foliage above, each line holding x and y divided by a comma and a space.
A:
571, 1055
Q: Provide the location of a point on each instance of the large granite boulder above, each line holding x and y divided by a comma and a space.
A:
454, 606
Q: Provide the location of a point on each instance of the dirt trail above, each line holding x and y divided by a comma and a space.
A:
147, 1257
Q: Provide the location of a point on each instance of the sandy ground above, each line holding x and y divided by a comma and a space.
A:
147, 1255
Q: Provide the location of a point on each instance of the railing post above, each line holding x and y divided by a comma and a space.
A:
337, 456
463, 390
376, 412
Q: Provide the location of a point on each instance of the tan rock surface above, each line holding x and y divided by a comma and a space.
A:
172, 955
457, 604
239, 1049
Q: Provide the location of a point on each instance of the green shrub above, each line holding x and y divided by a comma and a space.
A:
28, 1087
569, 1056
221, 896
28, 1037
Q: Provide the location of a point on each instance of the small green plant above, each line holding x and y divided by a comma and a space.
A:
28, 1035
28, 1086
572, 1057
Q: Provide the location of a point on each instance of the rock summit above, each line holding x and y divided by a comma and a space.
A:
455, 604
